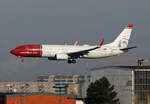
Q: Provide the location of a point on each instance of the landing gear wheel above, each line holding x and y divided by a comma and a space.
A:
22, 60
73, 61
69, 61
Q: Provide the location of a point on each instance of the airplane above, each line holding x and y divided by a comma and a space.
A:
72, 52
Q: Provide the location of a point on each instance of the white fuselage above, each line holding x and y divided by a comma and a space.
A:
104, 51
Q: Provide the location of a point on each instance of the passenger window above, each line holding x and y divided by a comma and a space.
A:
17, 48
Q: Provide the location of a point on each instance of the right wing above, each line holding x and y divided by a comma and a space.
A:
77, 54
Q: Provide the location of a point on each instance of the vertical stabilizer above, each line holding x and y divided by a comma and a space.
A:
122, 40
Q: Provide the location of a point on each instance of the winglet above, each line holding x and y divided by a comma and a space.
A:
76, 43
129, 26
101, 43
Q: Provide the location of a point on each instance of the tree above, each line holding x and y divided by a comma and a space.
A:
101, 92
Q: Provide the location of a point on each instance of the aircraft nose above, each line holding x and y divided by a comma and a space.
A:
13, 52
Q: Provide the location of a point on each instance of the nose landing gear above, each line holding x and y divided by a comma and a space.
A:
22, 59
71, 61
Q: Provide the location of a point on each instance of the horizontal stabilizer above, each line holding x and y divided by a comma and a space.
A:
125, 49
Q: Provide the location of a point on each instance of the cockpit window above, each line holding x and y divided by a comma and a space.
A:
17, 48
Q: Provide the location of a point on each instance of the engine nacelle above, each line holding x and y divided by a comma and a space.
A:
62, 57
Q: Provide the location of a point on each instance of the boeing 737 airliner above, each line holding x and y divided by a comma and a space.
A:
73, 52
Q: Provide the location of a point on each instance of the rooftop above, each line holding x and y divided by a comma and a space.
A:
121, 67
31, 94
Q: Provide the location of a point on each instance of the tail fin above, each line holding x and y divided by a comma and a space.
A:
122, 40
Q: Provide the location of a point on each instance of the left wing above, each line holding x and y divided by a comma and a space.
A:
77, 54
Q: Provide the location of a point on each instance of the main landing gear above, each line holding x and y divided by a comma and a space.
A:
71, 61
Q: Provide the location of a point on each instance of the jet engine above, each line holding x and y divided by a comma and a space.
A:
62, 57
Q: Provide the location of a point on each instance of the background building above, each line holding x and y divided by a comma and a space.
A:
64, 84
75, 84
35, 98
73, 89
141, 85
132, 83
26, 87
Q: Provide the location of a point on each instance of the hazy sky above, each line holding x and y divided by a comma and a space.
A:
65, 21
